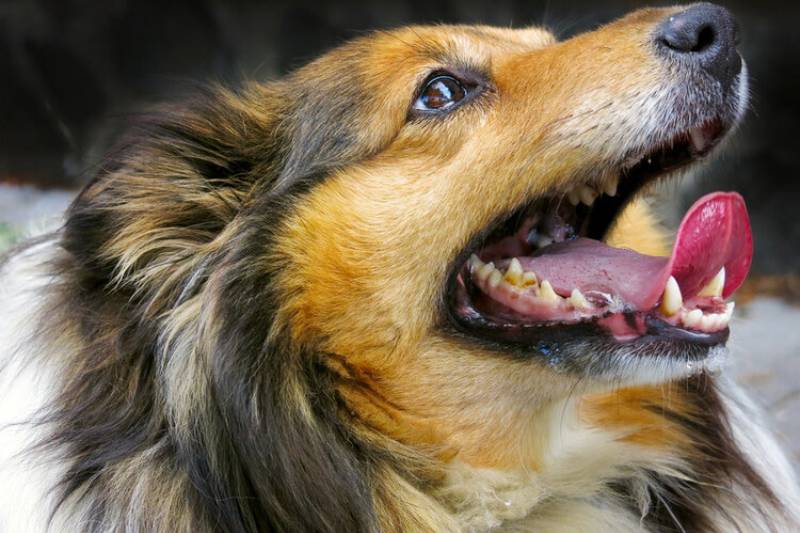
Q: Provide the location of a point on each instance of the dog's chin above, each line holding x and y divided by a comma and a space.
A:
541, 282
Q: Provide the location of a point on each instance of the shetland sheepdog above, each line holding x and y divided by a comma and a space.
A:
413, 286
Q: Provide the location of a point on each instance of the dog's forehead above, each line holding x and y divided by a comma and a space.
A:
470, 43
512, 39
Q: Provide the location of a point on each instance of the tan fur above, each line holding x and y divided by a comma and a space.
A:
469, 439
348, 248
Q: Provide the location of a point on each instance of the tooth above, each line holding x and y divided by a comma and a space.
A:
495, 278
474, 263
543, 241
698, 139
715, 286
547, 293
672, 300
588, 195
574, 197
514, 272
578, 300
708, 323
729, 311
485, 271
528, 279
611, 186
693, 318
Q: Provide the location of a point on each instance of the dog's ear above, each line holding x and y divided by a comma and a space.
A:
183, 172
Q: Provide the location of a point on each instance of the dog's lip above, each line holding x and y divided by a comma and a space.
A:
699, 142
546, 337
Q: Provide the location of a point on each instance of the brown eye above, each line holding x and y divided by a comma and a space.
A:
440, 93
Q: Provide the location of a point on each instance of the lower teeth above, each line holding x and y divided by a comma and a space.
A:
540, 292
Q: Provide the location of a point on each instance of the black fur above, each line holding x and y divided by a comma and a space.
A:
272, 469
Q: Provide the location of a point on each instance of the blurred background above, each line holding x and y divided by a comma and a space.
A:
73, 72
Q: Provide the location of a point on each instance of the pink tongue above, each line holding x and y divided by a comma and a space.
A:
714, 233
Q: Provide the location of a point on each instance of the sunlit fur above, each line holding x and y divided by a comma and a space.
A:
240, 324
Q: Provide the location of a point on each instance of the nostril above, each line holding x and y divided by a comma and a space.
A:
688, 37
705, 38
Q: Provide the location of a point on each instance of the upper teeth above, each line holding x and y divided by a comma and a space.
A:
698, 139
587, 194
611, 185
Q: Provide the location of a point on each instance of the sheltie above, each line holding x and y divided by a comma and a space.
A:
413, 286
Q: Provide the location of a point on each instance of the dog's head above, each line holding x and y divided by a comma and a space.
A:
406, 237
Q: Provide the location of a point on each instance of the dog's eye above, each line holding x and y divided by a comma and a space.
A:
440, 93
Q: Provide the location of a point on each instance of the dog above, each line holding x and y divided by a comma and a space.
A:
413, 286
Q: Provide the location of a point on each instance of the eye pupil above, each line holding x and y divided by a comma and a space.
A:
440, 93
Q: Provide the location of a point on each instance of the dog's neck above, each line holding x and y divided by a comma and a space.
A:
576, 464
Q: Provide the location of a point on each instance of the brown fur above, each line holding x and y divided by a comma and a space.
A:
253, 285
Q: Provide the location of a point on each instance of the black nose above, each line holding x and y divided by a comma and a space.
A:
704, 35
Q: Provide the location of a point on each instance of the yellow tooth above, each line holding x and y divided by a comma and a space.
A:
588, 195
485, 271
715, 286
474, 263
611, 186
672, 300
547, 293
529, 279
574, 197
495, 278
514, 272
578, 300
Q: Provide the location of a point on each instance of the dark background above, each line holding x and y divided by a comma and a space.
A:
72, 73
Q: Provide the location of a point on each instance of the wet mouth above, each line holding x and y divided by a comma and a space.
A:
544, 274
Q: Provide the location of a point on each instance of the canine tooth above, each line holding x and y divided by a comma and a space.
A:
514, 272
474, 263
547, 293
574, 197
485, 271
588, 195
578, 300
495, 278
672, 299
729, 311
715, 286
529, 278
693, 319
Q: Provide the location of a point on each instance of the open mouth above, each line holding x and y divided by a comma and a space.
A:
545, 269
